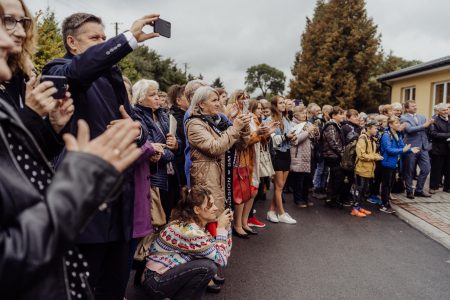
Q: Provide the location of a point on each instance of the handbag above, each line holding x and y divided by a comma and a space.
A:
241, 183
265, 162
157, 213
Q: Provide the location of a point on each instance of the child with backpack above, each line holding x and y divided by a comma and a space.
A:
366, 158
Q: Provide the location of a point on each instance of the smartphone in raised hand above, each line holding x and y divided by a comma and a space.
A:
163, 27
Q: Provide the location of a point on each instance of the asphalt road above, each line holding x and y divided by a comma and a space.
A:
332, 255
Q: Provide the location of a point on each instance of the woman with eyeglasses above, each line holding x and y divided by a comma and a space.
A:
41, 114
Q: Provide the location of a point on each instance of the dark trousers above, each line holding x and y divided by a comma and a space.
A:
421, 159
350, 175
169, 199
108, 268
336, 182
440, 166
387, 179
301, 183
361, 187
186, 281
376, 182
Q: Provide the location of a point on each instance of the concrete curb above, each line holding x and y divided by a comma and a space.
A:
424, 227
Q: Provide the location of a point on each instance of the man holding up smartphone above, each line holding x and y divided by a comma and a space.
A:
98, 91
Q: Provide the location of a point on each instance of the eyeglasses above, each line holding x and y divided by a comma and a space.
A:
10, 22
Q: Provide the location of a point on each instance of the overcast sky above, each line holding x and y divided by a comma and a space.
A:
224, 37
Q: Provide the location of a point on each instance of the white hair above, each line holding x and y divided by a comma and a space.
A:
440, 106
201, 94
397, 105
141, 87
192, 86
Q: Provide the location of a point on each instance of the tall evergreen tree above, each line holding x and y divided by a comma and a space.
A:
339, 54
50, 43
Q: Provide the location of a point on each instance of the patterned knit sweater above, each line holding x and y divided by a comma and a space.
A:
178, 244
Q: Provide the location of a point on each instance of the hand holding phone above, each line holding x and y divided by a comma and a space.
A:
163, 27
60, 83
138, 26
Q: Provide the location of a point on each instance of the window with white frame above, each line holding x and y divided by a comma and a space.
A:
409, 93
441, 92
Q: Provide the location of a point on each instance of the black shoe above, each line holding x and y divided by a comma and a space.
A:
218, 280
447, 191
214, 289
239, 235
251, 232
409, 195
422, 194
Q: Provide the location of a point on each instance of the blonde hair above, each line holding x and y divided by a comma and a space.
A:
21, 61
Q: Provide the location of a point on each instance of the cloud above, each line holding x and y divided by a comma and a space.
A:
223, 38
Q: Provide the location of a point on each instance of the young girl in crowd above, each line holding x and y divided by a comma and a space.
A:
184, 257
282, 138
392, 148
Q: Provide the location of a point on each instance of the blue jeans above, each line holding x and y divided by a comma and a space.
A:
422, 159
186, 281
320, 176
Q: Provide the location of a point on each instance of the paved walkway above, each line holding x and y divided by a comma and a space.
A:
429, 215
332, 255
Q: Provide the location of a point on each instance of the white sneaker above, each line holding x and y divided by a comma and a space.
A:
286, 218
272, 216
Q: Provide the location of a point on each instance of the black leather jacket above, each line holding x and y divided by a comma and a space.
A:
36, 231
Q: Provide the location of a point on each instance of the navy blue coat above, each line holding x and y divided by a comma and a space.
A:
98, 90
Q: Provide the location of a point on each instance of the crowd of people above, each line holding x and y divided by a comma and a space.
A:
118, 176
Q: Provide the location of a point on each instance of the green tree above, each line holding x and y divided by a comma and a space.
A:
339, 54
146, 63
265, 78
217, 83
50, 43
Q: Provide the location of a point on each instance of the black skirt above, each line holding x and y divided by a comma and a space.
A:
281, 161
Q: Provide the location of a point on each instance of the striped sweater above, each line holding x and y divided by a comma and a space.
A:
178, 244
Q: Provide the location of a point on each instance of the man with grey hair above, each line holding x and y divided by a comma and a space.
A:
100, 97
440, 152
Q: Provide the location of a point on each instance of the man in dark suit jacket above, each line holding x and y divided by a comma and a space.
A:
100, 97
415, 134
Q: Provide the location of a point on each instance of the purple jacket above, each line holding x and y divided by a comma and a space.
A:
142, 221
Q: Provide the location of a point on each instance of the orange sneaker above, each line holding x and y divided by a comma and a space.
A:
364, 211
357, 213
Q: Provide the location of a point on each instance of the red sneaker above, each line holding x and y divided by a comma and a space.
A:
254, 222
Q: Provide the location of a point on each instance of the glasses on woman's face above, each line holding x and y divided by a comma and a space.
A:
10, 22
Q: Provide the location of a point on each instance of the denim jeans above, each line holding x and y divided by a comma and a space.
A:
186, 281
320, 176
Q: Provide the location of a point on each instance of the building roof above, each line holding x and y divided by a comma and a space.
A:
437, 63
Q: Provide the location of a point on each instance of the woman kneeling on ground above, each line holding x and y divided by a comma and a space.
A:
183, 258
